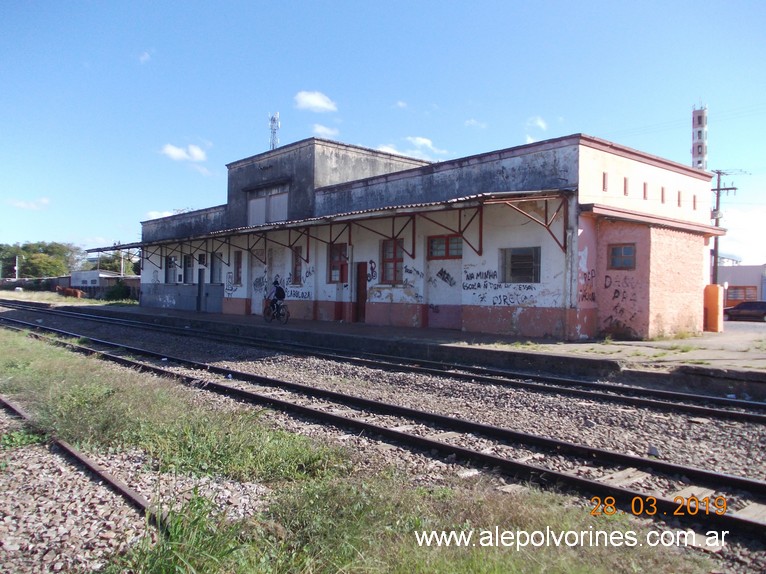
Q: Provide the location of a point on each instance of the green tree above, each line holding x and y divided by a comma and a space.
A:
43, 265
67, 256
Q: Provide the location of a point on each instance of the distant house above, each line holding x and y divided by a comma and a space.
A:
570, 238
96, 282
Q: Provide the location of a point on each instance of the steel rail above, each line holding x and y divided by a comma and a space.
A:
492, 376
92, 468
546, 384
526, 470
478, 374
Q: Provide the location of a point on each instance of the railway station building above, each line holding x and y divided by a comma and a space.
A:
570, 238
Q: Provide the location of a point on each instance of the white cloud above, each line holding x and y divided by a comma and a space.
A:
324, 131
422, 143
474, 123
314, 102
537, 122
530, 139
34, 205
144, 57
401, 104
201, 169
189, 153
423, 148
157, 214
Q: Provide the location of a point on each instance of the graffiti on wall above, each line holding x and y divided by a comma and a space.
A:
412, 271
230, 288
507, 294
517, 294
623, 297
474, 281
445, 276
587, 291
372, 274
293, 293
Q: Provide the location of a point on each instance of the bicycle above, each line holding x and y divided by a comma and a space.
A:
278, 311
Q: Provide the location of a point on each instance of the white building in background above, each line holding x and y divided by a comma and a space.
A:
743, 282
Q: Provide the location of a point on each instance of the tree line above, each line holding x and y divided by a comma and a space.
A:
51, 259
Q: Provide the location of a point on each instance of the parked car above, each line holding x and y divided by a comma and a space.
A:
746, 311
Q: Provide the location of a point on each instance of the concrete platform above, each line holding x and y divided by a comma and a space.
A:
732, 362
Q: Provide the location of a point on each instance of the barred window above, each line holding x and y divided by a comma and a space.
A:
520, 265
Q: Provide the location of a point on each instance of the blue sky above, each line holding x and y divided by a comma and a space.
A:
112, 112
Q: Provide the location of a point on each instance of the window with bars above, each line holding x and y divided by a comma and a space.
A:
520, 265
445, 247
392, 259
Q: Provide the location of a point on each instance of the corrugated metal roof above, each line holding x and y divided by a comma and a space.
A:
371, 213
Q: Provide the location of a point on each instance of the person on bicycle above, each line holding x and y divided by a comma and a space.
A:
276, 295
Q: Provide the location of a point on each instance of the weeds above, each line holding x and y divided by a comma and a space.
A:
195, 540
20, 438
320, 519
93, 404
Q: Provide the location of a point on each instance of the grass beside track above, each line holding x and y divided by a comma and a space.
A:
323, 516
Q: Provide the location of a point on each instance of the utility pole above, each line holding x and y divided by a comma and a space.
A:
717, 216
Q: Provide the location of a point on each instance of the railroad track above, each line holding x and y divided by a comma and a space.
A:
669, 401
95, 470
704, 502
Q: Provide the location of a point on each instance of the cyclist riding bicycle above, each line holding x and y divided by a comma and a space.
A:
276, 295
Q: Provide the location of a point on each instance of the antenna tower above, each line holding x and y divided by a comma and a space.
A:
274, 125
699, 138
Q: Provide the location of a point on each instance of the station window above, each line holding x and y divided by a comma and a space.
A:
338, 263
520, 265
202, 259
170, 268
445, 247
237, 268
622, 256
216, 268
605, 181
392, 257
297, 271
188, 269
